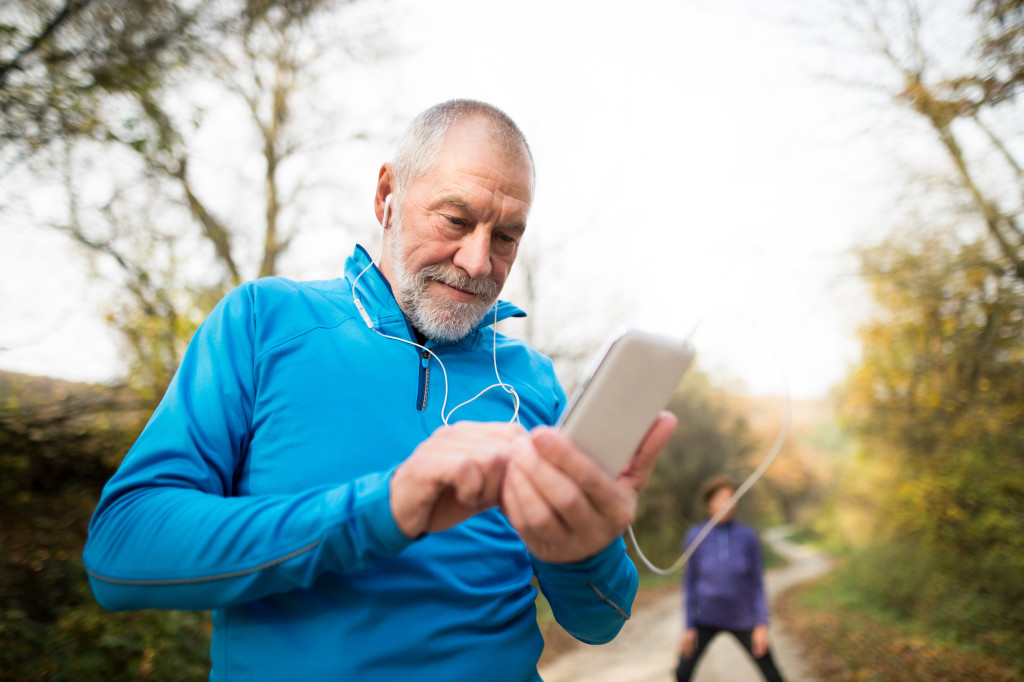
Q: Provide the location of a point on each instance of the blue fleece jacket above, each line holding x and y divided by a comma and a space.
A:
724, 587
260, 490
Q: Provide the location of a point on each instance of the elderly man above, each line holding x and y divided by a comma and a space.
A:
359, 476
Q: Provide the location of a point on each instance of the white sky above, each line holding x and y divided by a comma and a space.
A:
692, 166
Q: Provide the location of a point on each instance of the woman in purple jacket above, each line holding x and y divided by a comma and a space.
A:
724, 588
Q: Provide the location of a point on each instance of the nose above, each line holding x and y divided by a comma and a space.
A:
474, 254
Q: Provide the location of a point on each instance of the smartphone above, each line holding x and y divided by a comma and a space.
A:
634, 379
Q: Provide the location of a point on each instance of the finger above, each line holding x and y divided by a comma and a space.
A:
468, 483
640, 467
511, 505
480, 475
559, 491
537, 524
502, 430
493, 471
557, 449
537, 514
452, 474
612, 505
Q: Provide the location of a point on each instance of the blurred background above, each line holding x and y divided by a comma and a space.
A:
828, 197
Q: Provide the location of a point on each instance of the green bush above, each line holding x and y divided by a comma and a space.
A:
59, 443
945, 595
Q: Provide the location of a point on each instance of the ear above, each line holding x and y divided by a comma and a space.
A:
385, 188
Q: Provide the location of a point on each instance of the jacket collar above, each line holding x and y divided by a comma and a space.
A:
375, 293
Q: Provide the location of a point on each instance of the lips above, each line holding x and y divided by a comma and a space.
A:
459, 287
457, 292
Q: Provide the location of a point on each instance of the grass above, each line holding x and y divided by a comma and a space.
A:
771, 558
845, 641
804, 536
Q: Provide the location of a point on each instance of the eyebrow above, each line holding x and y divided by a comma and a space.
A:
458, 202
452, 200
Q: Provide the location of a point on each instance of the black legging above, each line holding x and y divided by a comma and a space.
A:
704, 637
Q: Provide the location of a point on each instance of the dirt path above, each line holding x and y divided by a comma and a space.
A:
645, 650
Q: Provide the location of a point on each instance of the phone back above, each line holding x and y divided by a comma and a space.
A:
614, 408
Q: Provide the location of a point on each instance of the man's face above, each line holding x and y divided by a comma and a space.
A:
453, 239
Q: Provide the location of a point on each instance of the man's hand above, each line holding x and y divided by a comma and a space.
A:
564, 507
451, 476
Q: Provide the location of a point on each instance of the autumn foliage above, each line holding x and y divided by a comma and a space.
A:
931, 502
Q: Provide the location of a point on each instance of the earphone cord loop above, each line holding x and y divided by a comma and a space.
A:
508, 388
773, 452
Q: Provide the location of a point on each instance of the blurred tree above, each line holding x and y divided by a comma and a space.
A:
58, 59
61, 60
794, 481
969, 100
943, 362
111, 94
937, 403
1002, 48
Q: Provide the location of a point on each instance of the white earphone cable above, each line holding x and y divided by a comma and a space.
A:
445, 416
753, 478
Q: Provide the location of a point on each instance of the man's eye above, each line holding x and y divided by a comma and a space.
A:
505, 244
455, 220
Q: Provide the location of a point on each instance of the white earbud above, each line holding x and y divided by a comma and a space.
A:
355, 299
387, 211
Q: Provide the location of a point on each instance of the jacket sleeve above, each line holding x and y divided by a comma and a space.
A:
592, 599
168, 533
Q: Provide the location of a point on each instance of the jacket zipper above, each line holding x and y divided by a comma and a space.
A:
424, 383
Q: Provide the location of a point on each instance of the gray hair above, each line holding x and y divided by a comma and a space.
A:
419, 146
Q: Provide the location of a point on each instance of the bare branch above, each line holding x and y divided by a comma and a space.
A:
940, 108
69, 10
1004, 151
214, 230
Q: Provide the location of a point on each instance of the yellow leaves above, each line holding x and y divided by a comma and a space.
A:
953, 513
942, 357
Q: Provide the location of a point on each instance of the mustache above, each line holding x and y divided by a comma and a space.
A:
487, 288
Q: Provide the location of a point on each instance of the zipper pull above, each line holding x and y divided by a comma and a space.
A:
424, 381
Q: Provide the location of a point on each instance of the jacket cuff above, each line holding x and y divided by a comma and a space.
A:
609, 572
375, 531
603, 563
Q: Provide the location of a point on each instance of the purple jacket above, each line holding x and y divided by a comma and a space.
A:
723, 584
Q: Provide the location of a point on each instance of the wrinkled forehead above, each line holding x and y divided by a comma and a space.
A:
478, 139
472, 151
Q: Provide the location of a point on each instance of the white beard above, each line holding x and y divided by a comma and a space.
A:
437, 317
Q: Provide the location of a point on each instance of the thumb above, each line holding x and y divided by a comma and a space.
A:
642, 464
